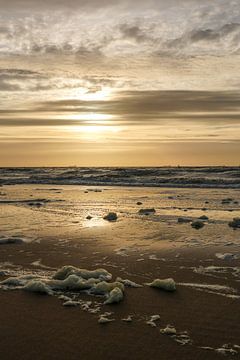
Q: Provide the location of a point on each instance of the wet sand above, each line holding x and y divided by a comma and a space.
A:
138, 248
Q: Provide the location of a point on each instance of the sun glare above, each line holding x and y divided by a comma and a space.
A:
91, 117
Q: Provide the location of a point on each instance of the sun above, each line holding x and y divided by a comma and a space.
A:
91, 124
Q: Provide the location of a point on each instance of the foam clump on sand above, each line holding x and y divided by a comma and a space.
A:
152, 320
72, 282
128, 319
103, 319
212, 270
70, 279
71, 303
115, 296
112, 216
226, 349
169, 330
104, 287
67, 278
155, 317
181, 338
128, 283
208, 270
165, 284
151, 323
37, 286
17, 281
215, 289
64, 297
67, 270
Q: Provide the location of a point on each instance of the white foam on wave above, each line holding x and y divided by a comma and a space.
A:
209, 177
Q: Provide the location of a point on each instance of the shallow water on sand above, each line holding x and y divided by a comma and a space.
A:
36, 211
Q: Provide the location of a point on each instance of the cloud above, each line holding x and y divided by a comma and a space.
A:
16, 80
7, 86
55, 51
210, 35
5, 33
209, 41
113, 28
137, 108
92, 4
133, 32
155, 103
18, 73
28, 81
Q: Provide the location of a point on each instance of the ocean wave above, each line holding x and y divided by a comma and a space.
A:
193, 177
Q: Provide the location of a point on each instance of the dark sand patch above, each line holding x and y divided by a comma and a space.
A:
39, 327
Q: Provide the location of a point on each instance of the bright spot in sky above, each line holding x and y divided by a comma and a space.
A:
91, 117
94, 130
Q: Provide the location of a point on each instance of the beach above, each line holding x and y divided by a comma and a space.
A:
44, 227
119, 180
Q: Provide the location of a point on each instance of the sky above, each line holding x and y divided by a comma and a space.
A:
119, 83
